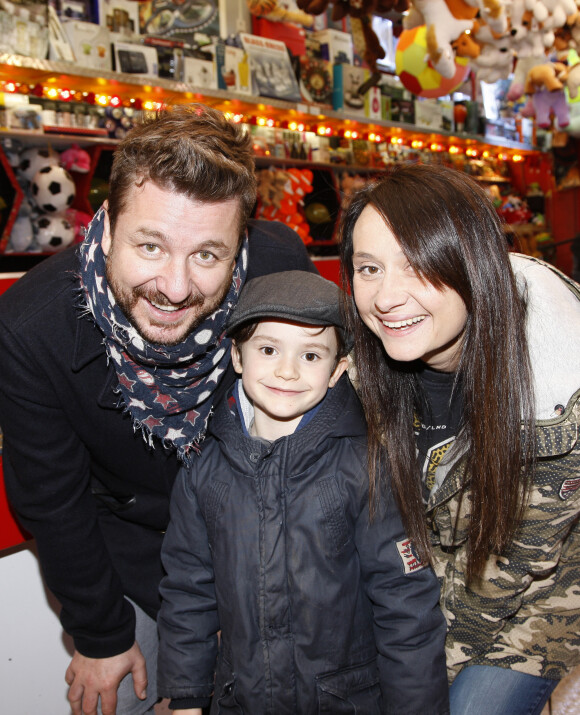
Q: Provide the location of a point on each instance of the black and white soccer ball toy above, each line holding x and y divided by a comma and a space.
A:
52, 190
34, 159
53, 233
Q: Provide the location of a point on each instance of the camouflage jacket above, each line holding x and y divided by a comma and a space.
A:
523, 612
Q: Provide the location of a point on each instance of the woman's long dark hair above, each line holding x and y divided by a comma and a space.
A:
451, 234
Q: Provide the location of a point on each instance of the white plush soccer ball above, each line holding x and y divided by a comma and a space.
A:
34, 159
22, 234
53, 233
52, 189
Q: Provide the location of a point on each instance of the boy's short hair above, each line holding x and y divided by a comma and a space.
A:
295, 296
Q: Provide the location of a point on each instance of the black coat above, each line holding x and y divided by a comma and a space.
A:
319, 610
87, 487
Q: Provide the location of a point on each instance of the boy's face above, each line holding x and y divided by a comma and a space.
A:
286, 370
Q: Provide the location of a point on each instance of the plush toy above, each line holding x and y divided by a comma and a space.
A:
53, 233
546, 76
548, 102
552, 13
496, 56
515, 210
75, 159
447, 20
34, 159
281, 194
526, 32
466, 46
277, 12
518, 85
572, 80
443, 28
52, 190
22, 233
80, 221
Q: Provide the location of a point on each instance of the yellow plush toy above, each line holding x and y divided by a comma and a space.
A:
546, 76
272, 10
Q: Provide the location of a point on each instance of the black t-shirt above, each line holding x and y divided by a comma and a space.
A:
437, 422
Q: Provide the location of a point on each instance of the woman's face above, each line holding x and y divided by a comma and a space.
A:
413, 319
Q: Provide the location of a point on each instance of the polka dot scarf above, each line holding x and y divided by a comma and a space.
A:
167, 390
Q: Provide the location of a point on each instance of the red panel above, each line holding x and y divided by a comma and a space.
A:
328, 268
10, 533
565, 224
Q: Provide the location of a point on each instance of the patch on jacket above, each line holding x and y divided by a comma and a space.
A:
409, 557
569, 486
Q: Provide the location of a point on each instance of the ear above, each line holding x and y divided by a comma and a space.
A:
338, 370
236, 358
106, 240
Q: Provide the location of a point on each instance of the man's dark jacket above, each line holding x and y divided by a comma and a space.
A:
81, 480
317, 607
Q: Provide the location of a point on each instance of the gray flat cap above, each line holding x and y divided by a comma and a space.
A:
298, 296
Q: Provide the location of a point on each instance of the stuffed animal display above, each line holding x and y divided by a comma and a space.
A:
46, 221
365, 40
281, 195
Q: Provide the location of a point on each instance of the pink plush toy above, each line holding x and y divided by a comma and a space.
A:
547, 103
75, 159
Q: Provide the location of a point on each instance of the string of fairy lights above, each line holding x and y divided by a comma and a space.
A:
320, 127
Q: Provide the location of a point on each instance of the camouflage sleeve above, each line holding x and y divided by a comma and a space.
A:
524, 609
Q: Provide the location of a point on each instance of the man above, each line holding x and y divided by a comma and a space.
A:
111, 358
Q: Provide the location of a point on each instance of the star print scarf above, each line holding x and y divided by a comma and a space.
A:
167, 390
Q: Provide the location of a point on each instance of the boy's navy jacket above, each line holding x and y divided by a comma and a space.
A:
319, 610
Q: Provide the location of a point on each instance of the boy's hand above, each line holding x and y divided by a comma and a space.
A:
189, 711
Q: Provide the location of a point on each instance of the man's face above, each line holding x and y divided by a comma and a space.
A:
170, 262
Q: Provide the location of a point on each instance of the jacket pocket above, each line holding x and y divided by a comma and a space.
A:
226, 698
352, 690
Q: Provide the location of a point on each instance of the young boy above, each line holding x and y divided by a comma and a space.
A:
320, 609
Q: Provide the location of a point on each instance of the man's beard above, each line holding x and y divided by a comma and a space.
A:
128, 299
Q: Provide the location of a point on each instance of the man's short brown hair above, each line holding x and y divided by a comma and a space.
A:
190, 149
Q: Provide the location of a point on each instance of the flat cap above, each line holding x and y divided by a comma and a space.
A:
297, 296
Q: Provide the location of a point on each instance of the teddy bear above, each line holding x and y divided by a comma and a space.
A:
466, 46
496, 56
527, 33
544, 84
546, 76
277, 12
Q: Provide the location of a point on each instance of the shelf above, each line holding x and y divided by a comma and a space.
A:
126, 86
27, 138
263, 162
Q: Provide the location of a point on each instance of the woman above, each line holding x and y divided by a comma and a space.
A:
468, 362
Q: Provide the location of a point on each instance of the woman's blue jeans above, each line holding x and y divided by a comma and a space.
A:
485, 690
